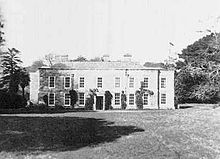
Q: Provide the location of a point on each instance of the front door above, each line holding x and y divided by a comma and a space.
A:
99, 102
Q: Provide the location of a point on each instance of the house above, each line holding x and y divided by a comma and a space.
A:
114, 76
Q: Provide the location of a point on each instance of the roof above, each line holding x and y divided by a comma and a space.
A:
107, 65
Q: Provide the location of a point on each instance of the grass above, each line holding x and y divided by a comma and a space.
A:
188, 133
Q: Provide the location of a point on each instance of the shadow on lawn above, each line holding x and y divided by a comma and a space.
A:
31, 134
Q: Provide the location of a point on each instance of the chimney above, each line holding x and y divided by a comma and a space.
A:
127, 57
106, 57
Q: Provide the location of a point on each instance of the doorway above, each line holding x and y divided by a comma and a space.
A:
99, 102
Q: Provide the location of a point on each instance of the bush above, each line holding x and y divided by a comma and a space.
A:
11, 101
123, 100
89, 102
108, 100
73, 97
139, 99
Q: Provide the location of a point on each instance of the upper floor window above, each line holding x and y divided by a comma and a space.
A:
117, 98
81, 82
67, 99
131, 82
163, 82
99, 82
163, 98
51, 99
145, 99
81, 99
131, 99
145, 82
117, 81
67, 82
51, 81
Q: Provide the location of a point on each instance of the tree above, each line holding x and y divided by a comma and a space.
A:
50, 59
2, 40
24, 79
35, 65
197, 78
11, 70
80, 59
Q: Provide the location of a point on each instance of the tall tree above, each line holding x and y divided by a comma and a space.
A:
198, 77
11, 70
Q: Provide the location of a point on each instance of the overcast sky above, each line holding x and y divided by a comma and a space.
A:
92, 28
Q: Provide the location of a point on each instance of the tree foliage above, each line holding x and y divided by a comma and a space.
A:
11, 64
80, 59
35, 65
197, 78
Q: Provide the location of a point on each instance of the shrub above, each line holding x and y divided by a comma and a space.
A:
45, 99
89, 102
123, 100
139, 99
108, 100
11, 101
73, 97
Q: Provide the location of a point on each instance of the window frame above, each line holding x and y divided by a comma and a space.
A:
99, 84
144, 103
49, 81
50, 100
163, 98
81, 83
118, 99
66, 99
65, 81
131, 84
146, 83
117, 82
163, 82
81, 99
133, 99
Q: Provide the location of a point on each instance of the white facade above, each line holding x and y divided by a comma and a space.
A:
160, 81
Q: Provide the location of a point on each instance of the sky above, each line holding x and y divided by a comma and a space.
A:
91, 28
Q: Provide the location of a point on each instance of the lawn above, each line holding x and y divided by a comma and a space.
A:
184, 133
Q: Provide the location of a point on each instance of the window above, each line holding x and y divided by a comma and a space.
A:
163, 82
51, 81
81, 99
163, 98
145, 100
81, 82
67, 99
145, 83
131, 99
99, 82
67, 82
117, 81
117, 98
131, 82
51, 99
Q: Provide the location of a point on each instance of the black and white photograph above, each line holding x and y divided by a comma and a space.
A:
109, 79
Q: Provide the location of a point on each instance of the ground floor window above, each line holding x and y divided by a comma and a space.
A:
131, 99
163, 98
145, 99
51, 99
117, 98
81, 99
67, 99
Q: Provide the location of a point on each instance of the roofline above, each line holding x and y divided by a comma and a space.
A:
107, 69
